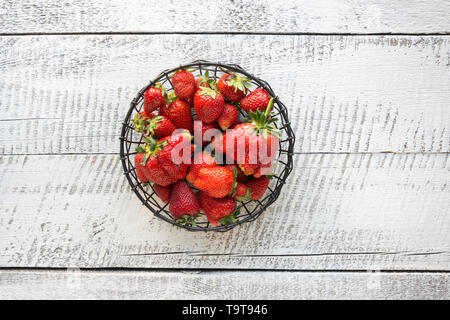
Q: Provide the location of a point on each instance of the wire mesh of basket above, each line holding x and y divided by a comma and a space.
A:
249, 210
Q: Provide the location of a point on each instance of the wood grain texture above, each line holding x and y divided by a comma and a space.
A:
346, 212
69, 94
262, 16
75, 284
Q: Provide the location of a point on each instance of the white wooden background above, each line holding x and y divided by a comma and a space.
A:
364, 214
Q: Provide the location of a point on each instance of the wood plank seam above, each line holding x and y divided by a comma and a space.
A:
343, 34
219, 270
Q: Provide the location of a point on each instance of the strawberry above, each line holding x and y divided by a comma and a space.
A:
206, 133
160, 126
183, 200
158, 162
140, 168
217, 182
260, 163
257, 187
216, 209
233, 87
153, 171
208, 104
228, 117
179, 112
183, 82
256, 100
255, 143
154, 97
162, 192
201, 160
242, 192
176, 164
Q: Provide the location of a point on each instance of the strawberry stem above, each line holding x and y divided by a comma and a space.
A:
269, 106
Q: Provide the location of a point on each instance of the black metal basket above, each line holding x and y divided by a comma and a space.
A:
250, 209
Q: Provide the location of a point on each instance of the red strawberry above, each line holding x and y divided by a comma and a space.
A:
201, 160
233, 87
256, 100
208, 104
262, 162
257, 187
217, 182
154, 98
201, 82
228, 117
179, 112
176, 167
160, 126
160, 167
242, 192
241, 177
206, 133
155, 173
162, 192
140, 168
216, 209
183, 200
183, 83
255, 143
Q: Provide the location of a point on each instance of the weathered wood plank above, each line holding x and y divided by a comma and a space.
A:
69, 94
319, 16
347, 212
224, 285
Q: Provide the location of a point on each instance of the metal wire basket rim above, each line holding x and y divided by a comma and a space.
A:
230, 67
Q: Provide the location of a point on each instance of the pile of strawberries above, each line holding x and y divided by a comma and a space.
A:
218, 170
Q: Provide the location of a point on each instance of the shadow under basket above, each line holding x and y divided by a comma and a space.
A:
250, 209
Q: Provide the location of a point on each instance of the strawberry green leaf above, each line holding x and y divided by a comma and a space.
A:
263, 125
233, 188
205, 91
151, 148
139, 122
152, 125
264, 134
244, 197
237, 82
232, 218
170, 97
161, 87
188, 220
145, 158
140, 149
247, 84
